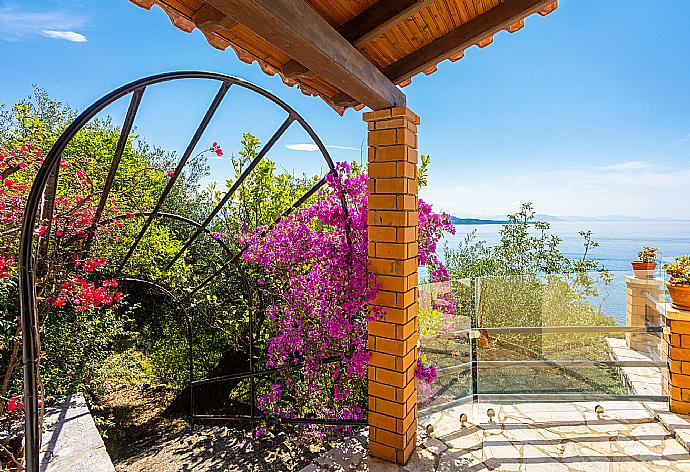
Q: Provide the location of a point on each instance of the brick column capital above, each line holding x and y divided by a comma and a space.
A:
393, 250
391, 113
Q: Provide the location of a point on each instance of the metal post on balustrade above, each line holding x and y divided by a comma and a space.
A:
473, 341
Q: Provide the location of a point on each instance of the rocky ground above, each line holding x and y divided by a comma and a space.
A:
141, 439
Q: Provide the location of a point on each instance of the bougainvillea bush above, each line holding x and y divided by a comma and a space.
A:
315, 263
304, 280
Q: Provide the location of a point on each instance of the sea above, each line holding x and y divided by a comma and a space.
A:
618, 241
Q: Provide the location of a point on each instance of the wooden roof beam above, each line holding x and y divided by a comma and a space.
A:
453, 43
211, 20
370, 24
298, 31
379, 18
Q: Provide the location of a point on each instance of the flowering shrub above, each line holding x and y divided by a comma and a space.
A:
62, 280
322, 288
75, 288
647, 254
679, 270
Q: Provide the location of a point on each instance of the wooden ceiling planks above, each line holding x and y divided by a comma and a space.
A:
401, 38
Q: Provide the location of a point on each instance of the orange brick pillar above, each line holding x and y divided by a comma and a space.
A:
676, 352
641, 311
393, 252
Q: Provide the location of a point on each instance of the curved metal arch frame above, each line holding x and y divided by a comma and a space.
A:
50, 169
165, 215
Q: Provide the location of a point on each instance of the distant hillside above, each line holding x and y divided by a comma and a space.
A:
476, 221
500, 220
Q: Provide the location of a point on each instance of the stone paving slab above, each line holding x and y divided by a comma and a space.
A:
639, 380
647, 381
627, 436
71, 442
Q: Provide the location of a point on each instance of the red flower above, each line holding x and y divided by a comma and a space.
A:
15, 403
59, 302
171, 173
215, 147
129, 214
41, 230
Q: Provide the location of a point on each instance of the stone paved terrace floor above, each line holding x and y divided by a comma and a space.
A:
628, 436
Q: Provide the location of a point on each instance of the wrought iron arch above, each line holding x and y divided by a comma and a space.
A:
50, 169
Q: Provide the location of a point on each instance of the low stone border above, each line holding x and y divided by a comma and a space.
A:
71, 442
638, 380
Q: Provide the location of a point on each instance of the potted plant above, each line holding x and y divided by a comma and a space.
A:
679, 283
645, 265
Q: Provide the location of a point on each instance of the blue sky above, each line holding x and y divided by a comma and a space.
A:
585, 111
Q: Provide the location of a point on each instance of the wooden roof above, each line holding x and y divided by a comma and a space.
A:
351, 53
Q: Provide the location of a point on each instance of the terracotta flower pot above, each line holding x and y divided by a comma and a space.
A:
680, 296
644, 270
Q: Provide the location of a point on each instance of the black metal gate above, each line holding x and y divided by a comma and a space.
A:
50, 170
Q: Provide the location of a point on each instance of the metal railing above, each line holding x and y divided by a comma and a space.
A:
474, 365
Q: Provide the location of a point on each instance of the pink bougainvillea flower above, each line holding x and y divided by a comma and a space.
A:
425, 374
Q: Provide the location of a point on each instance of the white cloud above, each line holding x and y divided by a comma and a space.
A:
303, 147
309, 147
19, 23
630, 165
684, 139
66, 35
